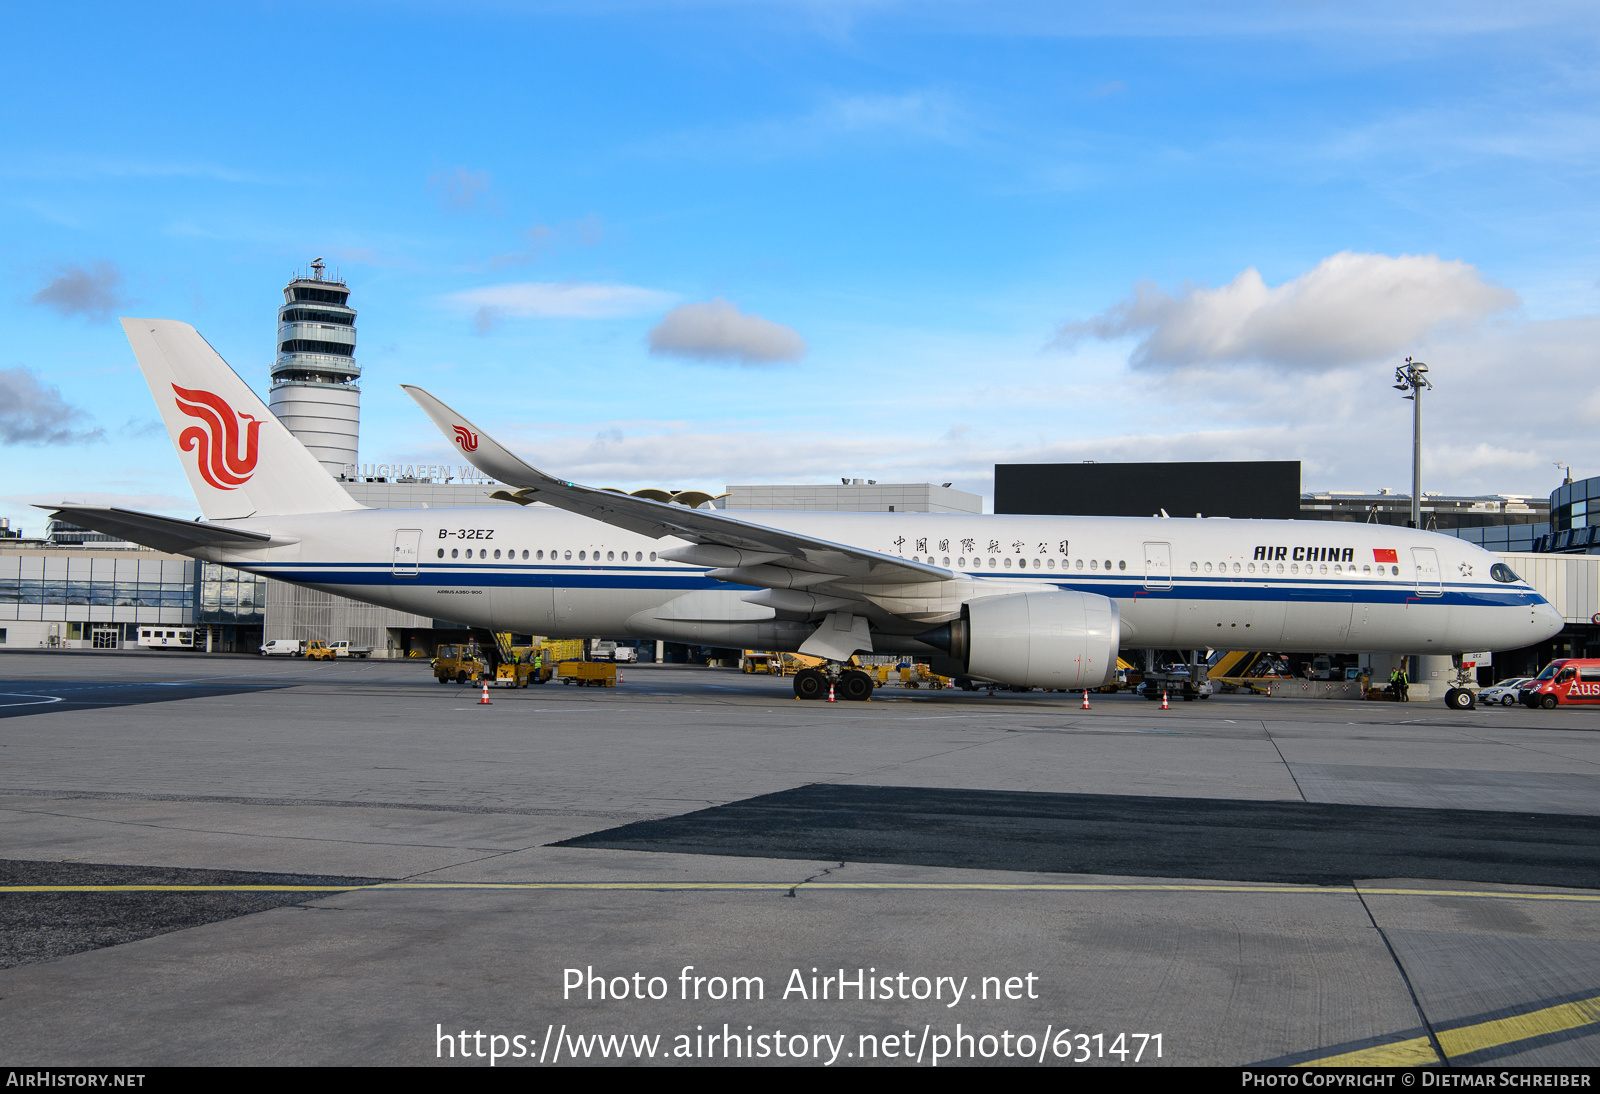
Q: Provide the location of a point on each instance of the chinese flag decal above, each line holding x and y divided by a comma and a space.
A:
1380, 554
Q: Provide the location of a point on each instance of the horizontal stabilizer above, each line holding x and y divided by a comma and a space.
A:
162, 533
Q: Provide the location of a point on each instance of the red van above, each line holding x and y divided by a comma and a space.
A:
1572, 681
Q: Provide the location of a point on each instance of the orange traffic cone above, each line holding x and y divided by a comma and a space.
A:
484, 702
830, 692
1085, 698
1164, 705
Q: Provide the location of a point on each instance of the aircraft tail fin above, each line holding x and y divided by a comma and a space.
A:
241, 461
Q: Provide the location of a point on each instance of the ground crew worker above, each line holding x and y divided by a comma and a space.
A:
1394, 684
1405, 687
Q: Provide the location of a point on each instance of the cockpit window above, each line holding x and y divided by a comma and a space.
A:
1501, 572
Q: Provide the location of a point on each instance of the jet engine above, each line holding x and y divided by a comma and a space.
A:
1041, 640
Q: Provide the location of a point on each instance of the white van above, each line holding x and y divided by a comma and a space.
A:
286, 647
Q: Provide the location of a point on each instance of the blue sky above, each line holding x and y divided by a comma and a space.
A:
692, 244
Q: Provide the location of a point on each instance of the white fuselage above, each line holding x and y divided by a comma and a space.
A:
1179, 583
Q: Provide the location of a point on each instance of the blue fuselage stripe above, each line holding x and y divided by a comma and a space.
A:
678, 579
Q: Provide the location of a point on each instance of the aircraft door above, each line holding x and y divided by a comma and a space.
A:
1426, 560
407, 547
1158, 565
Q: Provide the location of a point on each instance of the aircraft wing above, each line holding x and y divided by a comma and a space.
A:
737, 550
161, 533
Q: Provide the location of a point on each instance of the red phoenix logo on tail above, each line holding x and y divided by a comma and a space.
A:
217, 441
467, 439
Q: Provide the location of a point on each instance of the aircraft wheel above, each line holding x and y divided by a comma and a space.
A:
1460, 699
1549, 702
810, 684
855, 686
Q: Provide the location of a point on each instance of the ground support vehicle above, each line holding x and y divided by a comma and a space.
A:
345, 649
1176, 682
458, 664
172, 637
318, 650
602, 674
1252, 671
520, 674
763, 661
1570, 681
281, 647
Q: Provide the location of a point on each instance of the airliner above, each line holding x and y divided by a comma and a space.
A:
1029, 601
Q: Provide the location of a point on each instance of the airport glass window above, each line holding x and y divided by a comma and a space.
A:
312, 345
308, 315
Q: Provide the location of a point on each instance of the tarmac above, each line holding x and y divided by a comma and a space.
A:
231, 860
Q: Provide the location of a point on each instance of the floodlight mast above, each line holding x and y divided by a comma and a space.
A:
1413, 377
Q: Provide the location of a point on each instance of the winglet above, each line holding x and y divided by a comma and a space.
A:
480, 450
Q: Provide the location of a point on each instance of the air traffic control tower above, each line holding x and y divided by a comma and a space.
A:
314, 390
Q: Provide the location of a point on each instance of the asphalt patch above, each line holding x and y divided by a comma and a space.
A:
19, 698
1124, 835
42, 926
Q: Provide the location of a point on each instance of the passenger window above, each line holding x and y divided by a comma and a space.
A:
455, 553
569, 556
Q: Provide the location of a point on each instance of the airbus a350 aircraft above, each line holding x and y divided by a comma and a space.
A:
1035, 601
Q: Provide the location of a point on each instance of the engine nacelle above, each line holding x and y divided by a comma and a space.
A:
1041, 640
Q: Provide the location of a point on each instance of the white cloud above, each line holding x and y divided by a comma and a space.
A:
556, 300
718, 331
1349, 309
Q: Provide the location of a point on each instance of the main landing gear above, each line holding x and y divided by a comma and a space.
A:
847, 683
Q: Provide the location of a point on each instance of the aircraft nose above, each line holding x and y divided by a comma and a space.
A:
1548, 620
